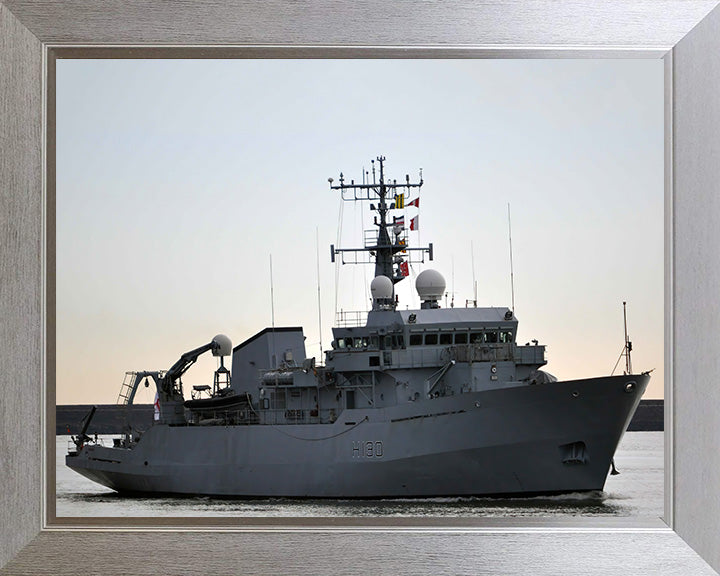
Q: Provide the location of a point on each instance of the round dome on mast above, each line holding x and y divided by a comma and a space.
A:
224, 345
381, 287
382, 290
430, 286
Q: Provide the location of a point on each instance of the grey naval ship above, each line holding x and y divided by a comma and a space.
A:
435, 401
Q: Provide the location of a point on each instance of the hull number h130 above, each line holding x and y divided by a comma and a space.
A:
367, 449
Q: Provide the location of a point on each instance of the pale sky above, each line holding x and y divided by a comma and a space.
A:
177, 180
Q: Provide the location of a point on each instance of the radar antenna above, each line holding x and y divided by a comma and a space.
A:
392, 255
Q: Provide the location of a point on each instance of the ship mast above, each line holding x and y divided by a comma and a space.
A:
392, 255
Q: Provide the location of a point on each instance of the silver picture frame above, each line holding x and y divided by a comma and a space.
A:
685, 34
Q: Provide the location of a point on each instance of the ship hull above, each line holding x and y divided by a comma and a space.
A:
545, 438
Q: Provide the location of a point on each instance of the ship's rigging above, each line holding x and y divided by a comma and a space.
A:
389, 246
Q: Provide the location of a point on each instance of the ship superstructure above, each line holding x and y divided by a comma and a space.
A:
416, 402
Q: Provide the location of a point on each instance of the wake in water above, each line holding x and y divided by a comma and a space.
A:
587, 503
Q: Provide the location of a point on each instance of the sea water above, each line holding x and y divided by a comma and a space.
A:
636, 492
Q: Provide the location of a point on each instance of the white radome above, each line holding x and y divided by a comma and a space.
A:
430, 285
381, 287
225, 344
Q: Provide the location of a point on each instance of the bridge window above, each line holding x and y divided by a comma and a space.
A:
476, 338
341, 344
431, 339
374, 342
491, 337
461, 338
398, 341
416, 339
506, 337
446, 338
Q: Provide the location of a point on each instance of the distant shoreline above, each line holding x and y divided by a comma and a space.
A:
110, 418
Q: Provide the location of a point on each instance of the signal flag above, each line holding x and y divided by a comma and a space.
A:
156, 415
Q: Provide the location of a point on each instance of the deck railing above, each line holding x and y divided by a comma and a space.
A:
350, 318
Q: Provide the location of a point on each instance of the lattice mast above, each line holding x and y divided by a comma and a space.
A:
392, 254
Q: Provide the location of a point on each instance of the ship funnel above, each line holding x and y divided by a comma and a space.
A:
381, 289
224, 345
430, 286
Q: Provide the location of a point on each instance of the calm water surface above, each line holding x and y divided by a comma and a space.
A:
636, 492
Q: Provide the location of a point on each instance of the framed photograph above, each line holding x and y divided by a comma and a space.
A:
30, 537
234, 153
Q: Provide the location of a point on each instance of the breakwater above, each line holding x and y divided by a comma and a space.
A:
113, 419
649, 417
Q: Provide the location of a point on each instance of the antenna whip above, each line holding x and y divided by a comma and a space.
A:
512, 278
272, 311
317, 254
